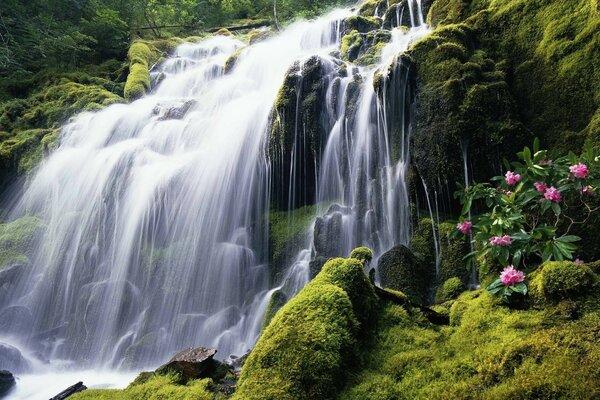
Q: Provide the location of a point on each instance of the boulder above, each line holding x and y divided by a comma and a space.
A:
195, 363
12, 359
328, 230
7, 382
399, 269
175, 111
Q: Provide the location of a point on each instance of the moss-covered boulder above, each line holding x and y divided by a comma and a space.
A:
362, 24
449, 290
305, 351
560, 280
362, 254
399, 269
364, 48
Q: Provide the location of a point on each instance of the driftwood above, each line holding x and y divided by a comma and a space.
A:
433, 316
253, 25
71, 390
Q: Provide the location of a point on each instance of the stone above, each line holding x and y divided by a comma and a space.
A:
195, 363
12, 359
7, 382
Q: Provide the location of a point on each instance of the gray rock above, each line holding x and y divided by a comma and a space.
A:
195, 363
399, 269
7, 383
12, 359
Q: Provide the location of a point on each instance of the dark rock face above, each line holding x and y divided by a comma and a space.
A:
12, 359
195, 363
299, 128
328, 230
7, 382
399, 269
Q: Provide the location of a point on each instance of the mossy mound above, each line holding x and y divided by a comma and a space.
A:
559, 280
16, 239
305, 351
361, 24
489, 352
154, 387
362, 254
449, 290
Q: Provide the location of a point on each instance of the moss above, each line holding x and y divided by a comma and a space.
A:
289, 233
453, 250
490, 352
232, 60
361, 24
17, 238
559, 280
351, 45
304, 353
223, 32
157, 387
258, 35
368, 8
277, 300
362, 254
451, 288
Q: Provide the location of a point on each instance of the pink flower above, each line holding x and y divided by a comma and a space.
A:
588, 191
578, 261
512, 178
552, 194
540, 187
501, 240
508, 193
465, 227
510, 276
580, 171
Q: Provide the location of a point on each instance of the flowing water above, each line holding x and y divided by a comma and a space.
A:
154, 211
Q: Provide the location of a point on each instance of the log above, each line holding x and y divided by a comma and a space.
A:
71, 390
253, 25
433, 316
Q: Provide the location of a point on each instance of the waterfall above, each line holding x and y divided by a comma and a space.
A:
155, 236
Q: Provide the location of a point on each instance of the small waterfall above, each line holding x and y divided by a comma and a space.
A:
473, 279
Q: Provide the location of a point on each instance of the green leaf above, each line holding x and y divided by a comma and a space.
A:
568, 239
556, 209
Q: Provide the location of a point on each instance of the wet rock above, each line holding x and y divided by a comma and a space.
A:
7, 382
238, 362
174, 111
328, 230
16, 319
11, 273
316, 264
12, 359
71, 390
361, 24
196, 363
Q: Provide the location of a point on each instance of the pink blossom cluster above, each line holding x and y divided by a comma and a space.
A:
512, 178
465, 227
579, 171
552, 194
501, 240
510, 276
540, 187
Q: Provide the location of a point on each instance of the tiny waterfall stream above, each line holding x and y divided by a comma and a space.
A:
154, 236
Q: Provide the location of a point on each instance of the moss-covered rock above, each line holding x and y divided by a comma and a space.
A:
399, 269
449, 290
362, 254
453, 250
277, 300
364, 48
361, 24
305, 351
559, 280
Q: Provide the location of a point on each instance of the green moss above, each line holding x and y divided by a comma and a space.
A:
490, 352
16, 239
277, 300
362, 254
289, 233
361, 24
304, 353
367, 9
351, 45
157, 387
559, 280
453, 251
232, 60
451, 288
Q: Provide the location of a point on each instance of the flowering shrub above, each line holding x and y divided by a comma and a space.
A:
529, 212
510, 281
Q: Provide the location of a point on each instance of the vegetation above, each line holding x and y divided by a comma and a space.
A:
157, 387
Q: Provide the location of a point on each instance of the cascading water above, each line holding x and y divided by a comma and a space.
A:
154, 211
